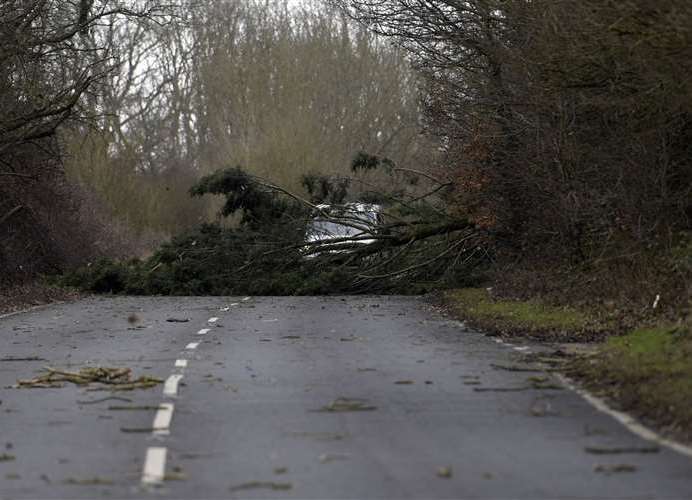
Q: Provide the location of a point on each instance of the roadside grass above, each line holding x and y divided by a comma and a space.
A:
520, 317
647, 372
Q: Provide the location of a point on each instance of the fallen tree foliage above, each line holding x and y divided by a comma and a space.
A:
412, 246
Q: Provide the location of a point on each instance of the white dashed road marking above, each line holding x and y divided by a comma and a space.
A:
154, 469
154, 465
162, 419
170, 388
246, 299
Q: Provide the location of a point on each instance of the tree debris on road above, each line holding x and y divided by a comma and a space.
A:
326, 458
271, 485
115, 379
346, 404
444, 472
614, 469
597, 450
92, 481
28, 358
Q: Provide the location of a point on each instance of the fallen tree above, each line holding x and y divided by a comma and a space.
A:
412, 246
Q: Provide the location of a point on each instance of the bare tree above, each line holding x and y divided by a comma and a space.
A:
51, 63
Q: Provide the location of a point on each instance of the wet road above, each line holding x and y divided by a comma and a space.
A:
245, 411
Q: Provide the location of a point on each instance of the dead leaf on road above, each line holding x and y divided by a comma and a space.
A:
326, 458
321, 436
92, 481
270, 485
444, 472
609, 469
346, 405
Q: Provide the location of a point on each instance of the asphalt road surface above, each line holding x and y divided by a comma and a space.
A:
376, 397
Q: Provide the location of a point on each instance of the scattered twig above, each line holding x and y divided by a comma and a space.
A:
514, 368
28, 358
271, 485
135, 408
500, 389
596, 450
101, 400
347, 405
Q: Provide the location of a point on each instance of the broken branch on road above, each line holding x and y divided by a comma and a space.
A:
115, 379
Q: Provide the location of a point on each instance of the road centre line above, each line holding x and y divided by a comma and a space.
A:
154, 468
170, 387
162, 419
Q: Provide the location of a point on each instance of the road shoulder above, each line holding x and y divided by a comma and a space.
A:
25, 297
644, 372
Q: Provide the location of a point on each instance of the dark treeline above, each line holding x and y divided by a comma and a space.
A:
567, 125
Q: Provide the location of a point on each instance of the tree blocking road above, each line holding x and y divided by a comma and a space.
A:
376, 397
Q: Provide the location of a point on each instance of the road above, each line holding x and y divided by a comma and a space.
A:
439, 416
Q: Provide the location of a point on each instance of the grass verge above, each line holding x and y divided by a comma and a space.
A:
647, 372
527, 318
